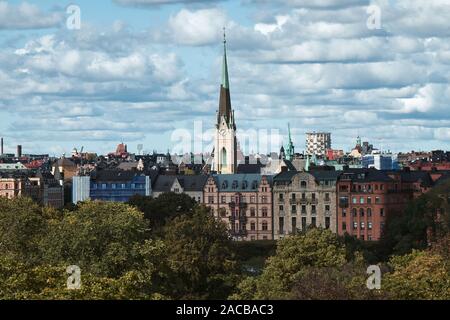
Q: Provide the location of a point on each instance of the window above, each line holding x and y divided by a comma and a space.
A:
223, 199
294, 209
293, 196
369, 212
344, 213
327, 197
294, 225
355, 225
362, 237
252, 226
304, 223
377, 200
362, 226
303, 209
369, 200
281, 208
381, 186
354, 200
281, 225
313, 196
354, 212
313, 209
281, 196
235, 184
263, 199
252, 238
265, 226
361, 212
303, 184
344, 226
211, 199
327, 209
361, 200
382, 212
252, 199
327, 222
252, 212
313, 221
264, 212
303, 196
244, 185
369, 225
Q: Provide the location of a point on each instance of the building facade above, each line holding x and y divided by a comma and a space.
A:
304, 199
243, 202
110, 185
190, 185
366, 197
317, 143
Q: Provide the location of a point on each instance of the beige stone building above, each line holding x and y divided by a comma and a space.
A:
302, 199
243, 202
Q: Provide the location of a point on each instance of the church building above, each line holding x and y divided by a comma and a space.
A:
225, 147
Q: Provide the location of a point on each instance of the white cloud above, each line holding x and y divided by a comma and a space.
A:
26, 16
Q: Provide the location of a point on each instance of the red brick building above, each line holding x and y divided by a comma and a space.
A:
367, 196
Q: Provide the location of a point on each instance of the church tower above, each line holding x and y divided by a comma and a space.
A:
225, 148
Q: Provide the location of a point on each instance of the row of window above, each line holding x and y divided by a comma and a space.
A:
361, 226
243, 226
303, 209
362, 212
303, 196
242, 199
223, 212
304, 225
118, 186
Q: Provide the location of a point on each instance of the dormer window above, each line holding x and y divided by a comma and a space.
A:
244, 185
254, 185
235, 184
225, 184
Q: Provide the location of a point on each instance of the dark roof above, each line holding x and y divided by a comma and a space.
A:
284, 176
445, 177
320, 175
239, 182
366, 175
290, 166
249, 168
188, 183
114, 175
417, 176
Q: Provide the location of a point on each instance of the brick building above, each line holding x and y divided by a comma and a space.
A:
243, 202
367, 196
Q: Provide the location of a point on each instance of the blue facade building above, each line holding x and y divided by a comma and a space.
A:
110, 185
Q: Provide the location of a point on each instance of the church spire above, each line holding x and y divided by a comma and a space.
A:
225, 80
225, 99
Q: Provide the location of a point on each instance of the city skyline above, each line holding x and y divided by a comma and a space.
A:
137, 71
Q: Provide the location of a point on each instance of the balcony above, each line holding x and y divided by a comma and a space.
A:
241, 205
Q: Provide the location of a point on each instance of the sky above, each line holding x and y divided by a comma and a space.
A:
148, 71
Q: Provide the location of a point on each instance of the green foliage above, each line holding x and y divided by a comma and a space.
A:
161, 210
418, 275
315, 248
21, 226
200, 257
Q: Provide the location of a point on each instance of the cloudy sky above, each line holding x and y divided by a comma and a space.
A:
137, 70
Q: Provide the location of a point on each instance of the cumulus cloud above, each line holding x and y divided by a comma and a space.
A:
156, 3
27, 16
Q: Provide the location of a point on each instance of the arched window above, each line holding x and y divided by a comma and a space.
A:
303, 184
361, 212
224, 157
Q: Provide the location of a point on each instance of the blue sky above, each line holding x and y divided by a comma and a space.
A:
138, 70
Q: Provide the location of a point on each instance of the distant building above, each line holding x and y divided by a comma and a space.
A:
110, 185
243, 202
317, 143
303, 199
366, 197
191, 185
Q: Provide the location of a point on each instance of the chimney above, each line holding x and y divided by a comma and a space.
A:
1, 147
19, 151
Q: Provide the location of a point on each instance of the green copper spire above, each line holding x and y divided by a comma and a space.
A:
290, 146
225, 81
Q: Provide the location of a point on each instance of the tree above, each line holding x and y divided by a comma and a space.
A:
102, 238
200, 257
315, 248
418, 275
22, 225
162, 209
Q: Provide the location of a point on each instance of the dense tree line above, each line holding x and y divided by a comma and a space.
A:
172, 248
